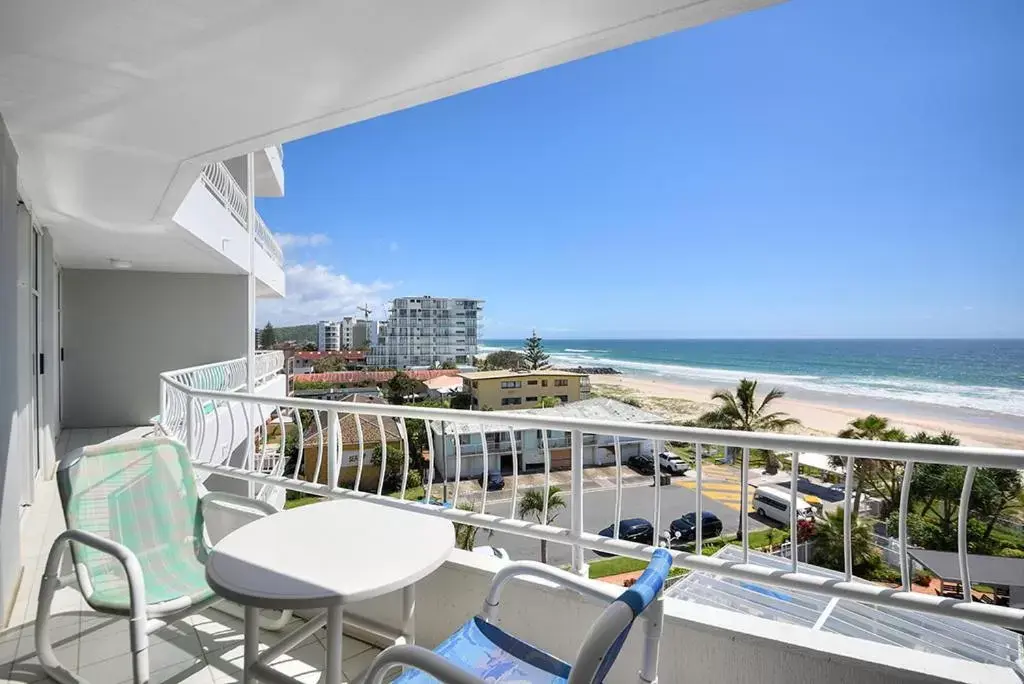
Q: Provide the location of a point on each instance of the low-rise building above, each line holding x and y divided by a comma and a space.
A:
509, 389
359, 437
304, 361
598, 450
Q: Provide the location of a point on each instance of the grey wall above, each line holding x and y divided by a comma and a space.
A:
13, 403
123, 328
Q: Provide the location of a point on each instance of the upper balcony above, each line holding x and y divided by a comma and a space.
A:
216, 210
269, 167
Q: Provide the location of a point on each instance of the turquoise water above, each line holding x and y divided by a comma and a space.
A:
984, 375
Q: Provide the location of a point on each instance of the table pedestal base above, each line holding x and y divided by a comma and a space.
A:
257, 665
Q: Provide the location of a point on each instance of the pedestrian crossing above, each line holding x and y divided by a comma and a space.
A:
726, 493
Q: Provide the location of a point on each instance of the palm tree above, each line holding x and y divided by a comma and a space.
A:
828, 542
532, 506
885, 476
465, 535
740, 411
548, 402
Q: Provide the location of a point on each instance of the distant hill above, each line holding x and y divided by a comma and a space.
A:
299, 333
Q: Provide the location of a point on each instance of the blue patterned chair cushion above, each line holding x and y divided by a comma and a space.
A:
494, 656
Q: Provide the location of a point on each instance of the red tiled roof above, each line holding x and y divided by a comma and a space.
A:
376, 376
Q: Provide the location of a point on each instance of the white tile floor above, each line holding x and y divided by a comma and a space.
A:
207, 647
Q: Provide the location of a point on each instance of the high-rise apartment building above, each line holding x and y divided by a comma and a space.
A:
428, 331
328, 336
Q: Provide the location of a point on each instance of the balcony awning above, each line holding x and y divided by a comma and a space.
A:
1005, 572
954, 637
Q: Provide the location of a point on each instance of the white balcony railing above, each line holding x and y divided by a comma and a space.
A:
325, 418
223, 186
177, 386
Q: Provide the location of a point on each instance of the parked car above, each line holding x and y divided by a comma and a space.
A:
672, 463
494, 481
637, 530
684, 530
495, 551
774, 503
641, 464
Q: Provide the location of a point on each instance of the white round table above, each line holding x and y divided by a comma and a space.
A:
325, 555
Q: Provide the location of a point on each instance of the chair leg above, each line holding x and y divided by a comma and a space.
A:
44, 648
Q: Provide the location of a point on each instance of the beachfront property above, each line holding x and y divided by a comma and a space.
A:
424, 332
500, 390
530, 450
133, 142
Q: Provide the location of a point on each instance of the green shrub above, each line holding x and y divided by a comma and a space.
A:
1011, 553
922, 578
415, 479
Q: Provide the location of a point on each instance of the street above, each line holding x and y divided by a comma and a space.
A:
721, 498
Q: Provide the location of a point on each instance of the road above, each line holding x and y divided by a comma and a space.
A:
722, 499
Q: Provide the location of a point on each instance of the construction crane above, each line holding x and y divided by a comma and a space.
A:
365, 309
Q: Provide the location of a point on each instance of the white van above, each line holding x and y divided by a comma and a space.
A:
774, 502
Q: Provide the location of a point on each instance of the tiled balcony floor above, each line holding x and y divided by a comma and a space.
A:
206, 648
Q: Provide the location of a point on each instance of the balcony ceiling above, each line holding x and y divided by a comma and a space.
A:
114, 106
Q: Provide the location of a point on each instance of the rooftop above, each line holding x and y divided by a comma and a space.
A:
598, 408
494, 374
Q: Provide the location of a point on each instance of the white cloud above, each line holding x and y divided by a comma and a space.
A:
393, 246
287, 240
316, 292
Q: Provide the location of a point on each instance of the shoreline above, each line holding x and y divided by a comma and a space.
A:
822, 415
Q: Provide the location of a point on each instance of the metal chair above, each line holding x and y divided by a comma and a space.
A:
137, 533
481, 652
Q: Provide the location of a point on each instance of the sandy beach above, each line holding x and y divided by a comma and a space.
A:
684, 402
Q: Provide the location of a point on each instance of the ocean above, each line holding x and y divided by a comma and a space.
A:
979, 375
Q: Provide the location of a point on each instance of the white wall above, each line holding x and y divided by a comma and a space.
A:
12, 402
123, 328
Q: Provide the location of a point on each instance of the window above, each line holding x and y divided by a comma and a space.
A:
511, 384
564, 398
543, 383
531, 382
529, 399
760, 498
511, 401
564, 382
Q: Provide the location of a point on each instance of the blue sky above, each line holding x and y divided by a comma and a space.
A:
847, 168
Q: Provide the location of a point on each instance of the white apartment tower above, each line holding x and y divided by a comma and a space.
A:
328, 336
428, 331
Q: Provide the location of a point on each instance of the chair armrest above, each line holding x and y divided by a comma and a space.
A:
420, 659
235, 511
535, 569
238, 500
124, 555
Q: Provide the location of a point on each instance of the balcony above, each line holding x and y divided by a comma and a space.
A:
215, 211
699, 643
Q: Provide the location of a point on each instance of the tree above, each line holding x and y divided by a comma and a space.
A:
884, 478
309, 346
740, 411
400, 386
828, 542
548, 402
449, 365
534, 357
267, 337
465, 535
461, 400
532, 506
329, 364
502, 360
